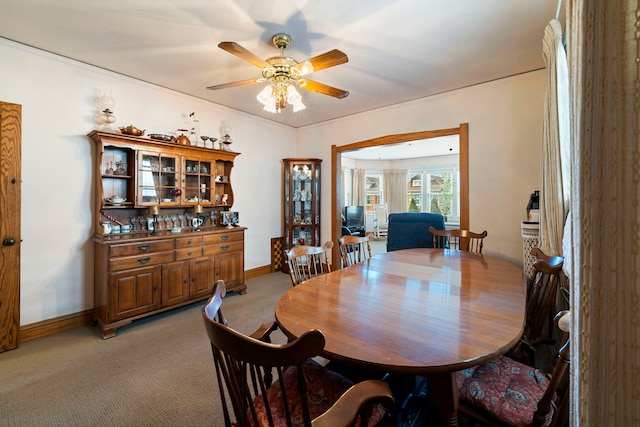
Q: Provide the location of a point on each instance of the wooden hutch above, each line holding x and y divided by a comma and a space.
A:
160, 259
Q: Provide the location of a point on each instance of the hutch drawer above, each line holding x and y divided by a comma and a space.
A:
140, 248
231, 236
141, 260
187, 242
188, 253
223, 248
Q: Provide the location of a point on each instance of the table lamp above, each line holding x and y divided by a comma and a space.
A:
198, 210
155, 211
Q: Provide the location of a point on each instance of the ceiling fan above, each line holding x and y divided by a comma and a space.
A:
284, 74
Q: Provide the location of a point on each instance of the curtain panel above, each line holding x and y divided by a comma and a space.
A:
555, 168
394, 189
359, 193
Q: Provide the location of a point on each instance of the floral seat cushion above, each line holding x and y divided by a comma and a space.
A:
324, 389
504, 388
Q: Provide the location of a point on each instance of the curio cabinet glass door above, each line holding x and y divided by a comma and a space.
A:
301, 207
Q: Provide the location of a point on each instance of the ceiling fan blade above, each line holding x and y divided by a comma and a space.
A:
242, 53
325, 90
234, 84
328, 59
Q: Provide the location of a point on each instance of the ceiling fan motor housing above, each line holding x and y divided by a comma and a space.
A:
281, 40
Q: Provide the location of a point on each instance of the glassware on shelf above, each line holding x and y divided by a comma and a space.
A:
109, 170
121, 168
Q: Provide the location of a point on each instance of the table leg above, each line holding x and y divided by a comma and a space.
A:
445, 397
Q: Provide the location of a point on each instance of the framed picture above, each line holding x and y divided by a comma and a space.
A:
228, 218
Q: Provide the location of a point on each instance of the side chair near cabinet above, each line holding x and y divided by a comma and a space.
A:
542, 291
354, 249
503, 391
306, 262
463, 240
265, 384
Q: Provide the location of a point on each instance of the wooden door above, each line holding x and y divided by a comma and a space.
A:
10, 183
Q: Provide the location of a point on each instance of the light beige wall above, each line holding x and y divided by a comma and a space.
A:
505, 128
57, 96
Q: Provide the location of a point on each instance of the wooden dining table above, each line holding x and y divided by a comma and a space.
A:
427, 312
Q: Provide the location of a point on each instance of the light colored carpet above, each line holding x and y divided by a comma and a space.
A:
378, 246
156, 372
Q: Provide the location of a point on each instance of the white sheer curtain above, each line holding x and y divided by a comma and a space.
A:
359, 196
604, 52
394, 188
554, 203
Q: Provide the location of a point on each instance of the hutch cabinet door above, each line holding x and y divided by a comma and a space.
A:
230, 268
133, 292
201, 276
198, 181
157, 179
175, 283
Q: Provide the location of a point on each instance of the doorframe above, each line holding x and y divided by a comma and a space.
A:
336, 165
10, 226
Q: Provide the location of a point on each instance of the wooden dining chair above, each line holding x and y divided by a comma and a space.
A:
506, 392
542, 291
354, 249
266, 384
463, 240
306, 262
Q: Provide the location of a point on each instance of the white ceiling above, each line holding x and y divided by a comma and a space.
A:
398, 50
444, 145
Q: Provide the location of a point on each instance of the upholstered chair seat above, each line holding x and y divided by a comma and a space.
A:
325, 388
506, 389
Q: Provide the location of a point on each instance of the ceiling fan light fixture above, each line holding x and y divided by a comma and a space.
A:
306, 68
274, 97
295, 99
266, 98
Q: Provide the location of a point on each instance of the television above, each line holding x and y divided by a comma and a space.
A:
354, 219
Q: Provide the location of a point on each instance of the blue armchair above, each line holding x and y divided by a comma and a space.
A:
411, 230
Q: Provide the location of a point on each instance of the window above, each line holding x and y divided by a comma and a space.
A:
348, 185
441, 193
373, 188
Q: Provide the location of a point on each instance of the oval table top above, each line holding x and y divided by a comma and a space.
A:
419, 311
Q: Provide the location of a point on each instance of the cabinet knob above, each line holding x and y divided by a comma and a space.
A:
143, 248
225, 247
189, 253
144, 260
225, 237
189, 242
